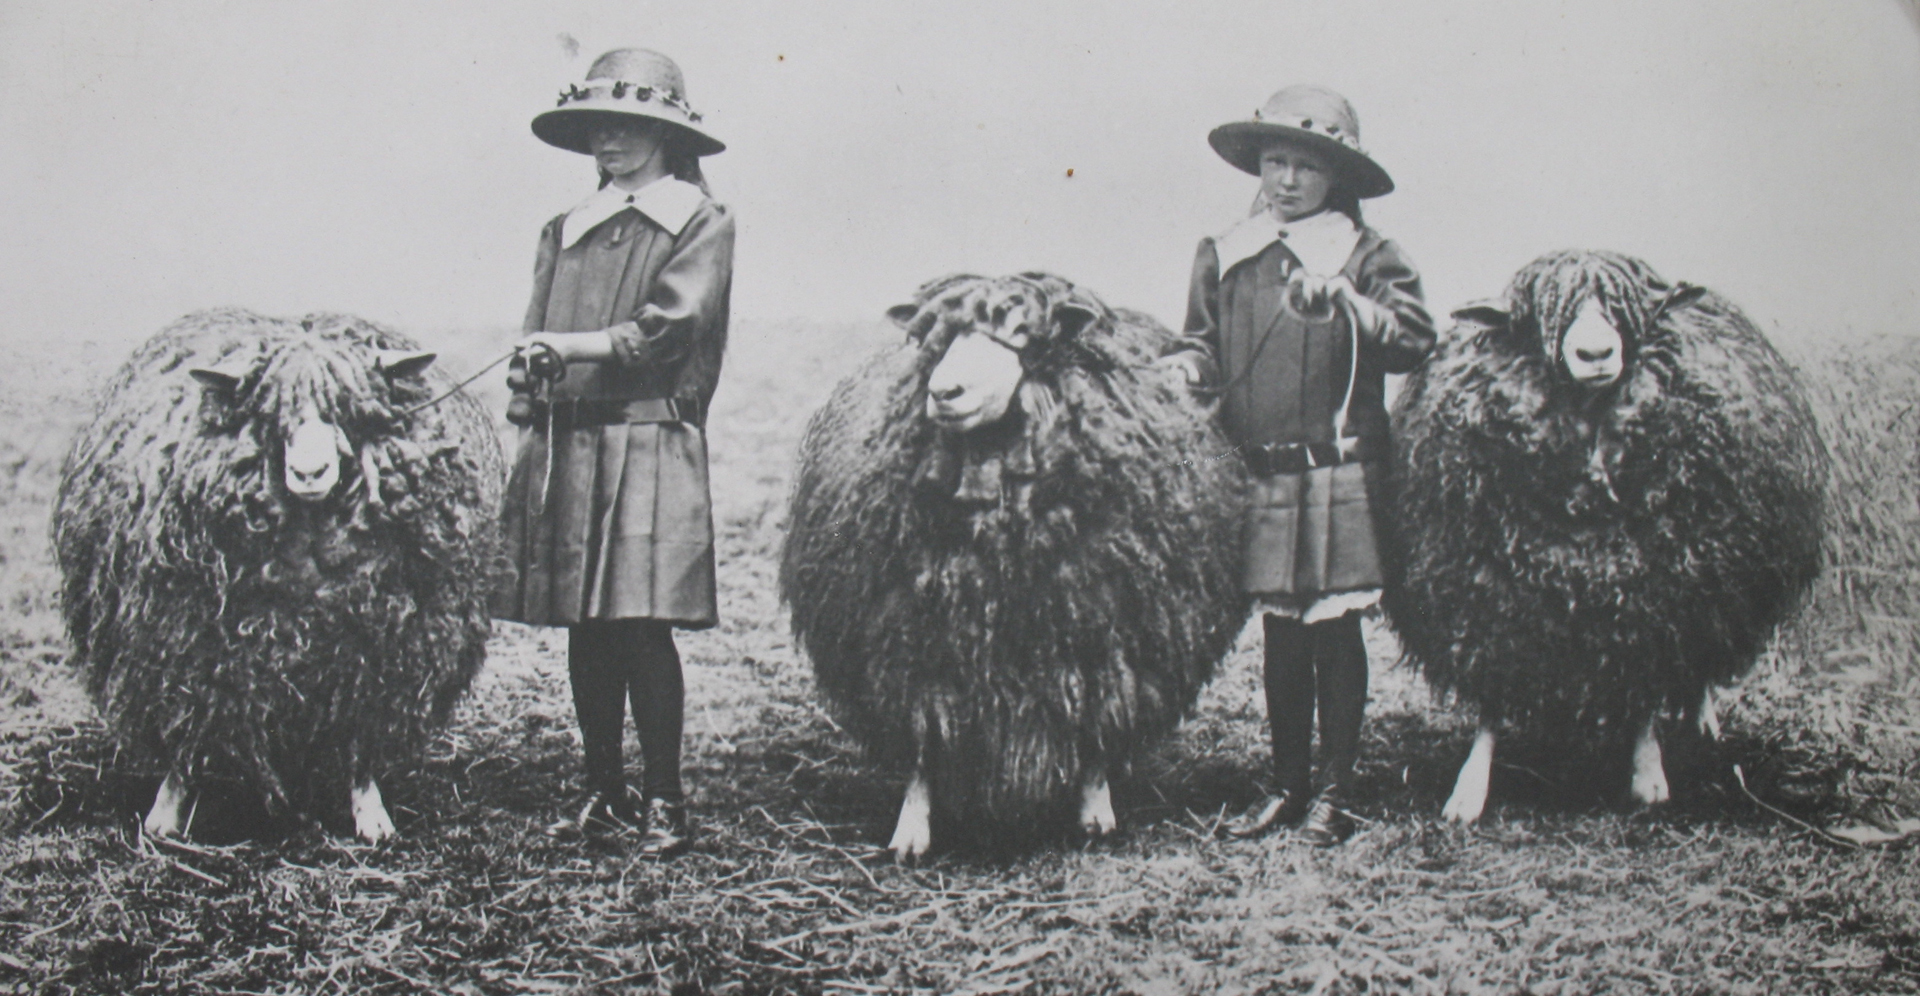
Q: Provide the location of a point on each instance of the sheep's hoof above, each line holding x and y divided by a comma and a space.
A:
370, 820
1650, 787
1464, 808
913, 834
1469, 797
1096, 809
168, 817
911, 839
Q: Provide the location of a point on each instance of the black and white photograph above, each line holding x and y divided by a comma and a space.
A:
989, 499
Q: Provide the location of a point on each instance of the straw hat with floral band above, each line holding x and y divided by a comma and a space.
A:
625, 83
1314, 117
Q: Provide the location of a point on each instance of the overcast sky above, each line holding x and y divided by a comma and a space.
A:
375, 157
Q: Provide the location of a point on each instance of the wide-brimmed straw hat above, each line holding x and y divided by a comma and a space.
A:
1315, 117
625, 83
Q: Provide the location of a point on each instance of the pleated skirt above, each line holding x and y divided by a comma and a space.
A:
1310, 535
617, 525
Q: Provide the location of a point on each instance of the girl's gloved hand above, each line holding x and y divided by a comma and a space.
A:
573, 347
1312, 297
1370, 318
1184, 366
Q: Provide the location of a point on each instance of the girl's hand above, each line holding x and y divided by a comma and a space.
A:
1311, 297
574, 347
1184, 366
1371, 319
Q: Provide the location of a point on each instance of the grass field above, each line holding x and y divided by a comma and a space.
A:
1555, 892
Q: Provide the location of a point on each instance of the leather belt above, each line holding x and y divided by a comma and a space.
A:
1267, 459
603, 411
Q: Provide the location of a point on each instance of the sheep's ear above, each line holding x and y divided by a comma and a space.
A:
402, 362
223, 377
903, 315
1680, 296
1486, 314
1070, 318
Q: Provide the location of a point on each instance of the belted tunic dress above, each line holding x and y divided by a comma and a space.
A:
607, 513
1283, 381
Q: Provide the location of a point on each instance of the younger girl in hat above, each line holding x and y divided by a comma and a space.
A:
607, 513
1294, 317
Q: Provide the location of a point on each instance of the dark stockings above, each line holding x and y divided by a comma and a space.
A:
610, 662
1326, 661
1289, 675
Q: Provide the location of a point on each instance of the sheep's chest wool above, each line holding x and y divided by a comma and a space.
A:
1591, 557
230, 627
1005, 610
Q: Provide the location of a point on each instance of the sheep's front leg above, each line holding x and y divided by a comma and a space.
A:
1469, 797
913, 834
168, 817
370, 819
1709, 717
1096, 806
1649, 775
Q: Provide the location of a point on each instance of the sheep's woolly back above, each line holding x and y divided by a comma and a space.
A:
226, 631
1560, 558
1021, 641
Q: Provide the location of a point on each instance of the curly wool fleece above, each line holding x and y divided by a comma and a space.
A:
227, 631
1558, 557
1009, 647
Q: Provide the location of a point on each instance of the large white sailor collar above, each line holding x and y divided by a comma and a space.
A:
668, 201
1322, 242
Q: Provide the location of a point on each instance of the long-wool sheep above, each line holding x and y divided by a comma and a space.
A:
230, 629
1008, 610
1579, 552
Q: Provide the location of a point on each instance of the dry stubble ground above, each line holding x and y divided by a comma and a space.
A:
789, 889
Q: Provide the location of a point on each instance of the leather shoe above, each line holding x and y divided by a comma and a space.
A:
1328, 825
667, 831
1266, 813
607, 811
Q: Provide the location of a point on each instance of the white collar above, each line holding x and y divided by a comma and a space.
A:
668, 201
1322, 242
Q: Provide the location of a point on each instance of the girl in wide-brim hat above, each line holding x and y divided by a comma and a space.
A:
607, 516
1294, 317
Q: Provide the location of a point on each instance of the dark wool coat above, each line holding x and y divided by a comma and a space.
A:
617, 524
1282, 379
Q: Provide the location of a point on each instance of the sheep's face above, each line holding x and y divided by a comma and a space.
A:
298, 398
986, 335
975, 382
1592, 351
313, 452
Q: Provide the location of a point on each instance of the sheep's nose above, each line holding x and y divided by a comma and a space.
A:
945, 392
313, 460
1594, 355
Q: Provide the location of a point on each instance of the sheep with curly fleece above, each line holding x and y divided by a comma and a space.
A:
1607, 494
1010, 554
275, 556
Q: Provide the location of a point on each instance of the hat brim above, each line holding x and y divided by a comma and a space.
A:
570, 127
1241, 143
